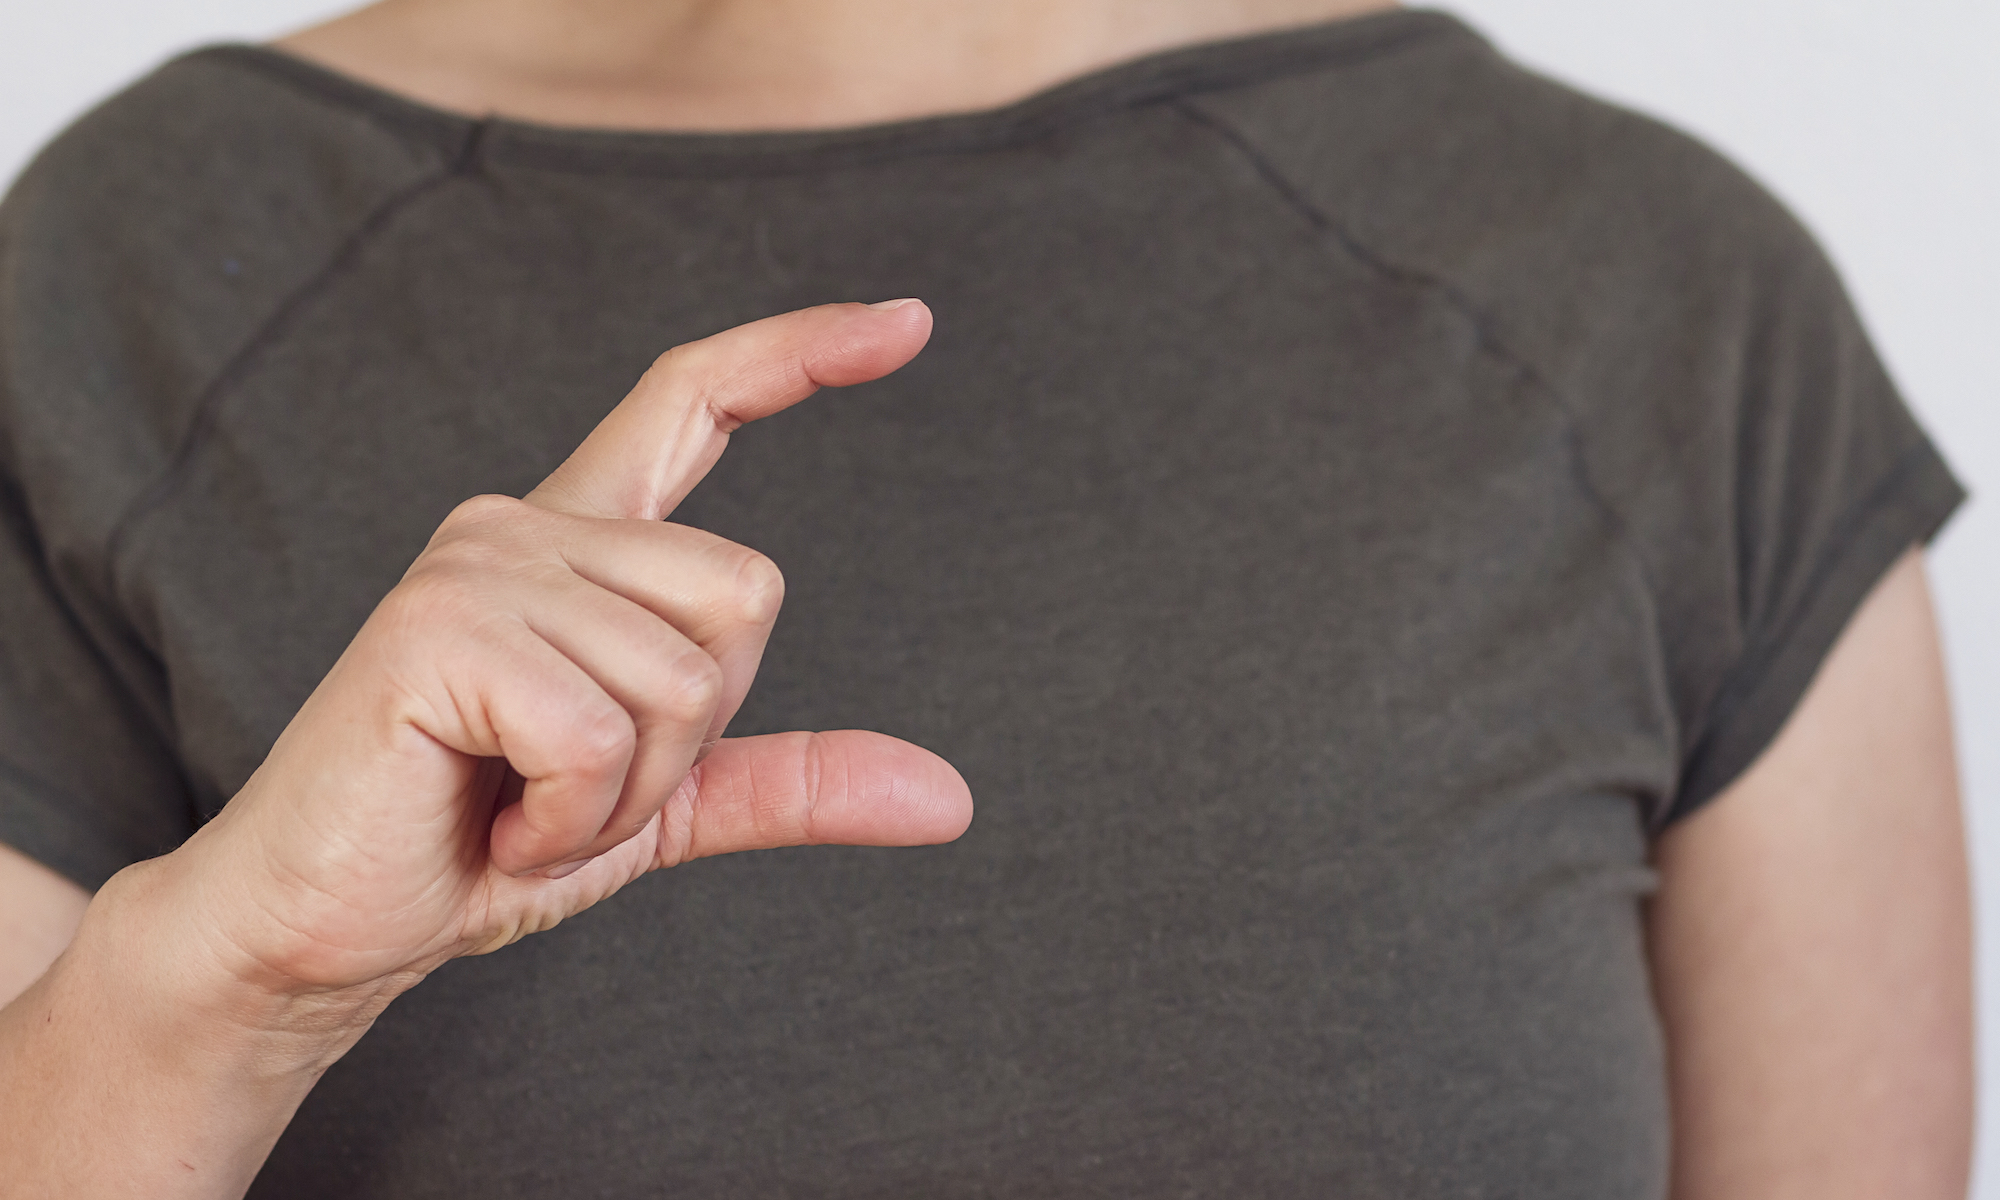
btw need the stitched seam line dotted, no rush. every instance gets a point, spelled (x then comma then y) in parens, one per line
(1031, 122)
(1753, 670)
(156, 722)
(208, 407)
(1153, 79)
(1482, 327)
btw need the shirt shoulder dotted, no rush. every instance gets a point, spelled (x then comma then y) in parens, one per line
(1728, 410)
(153, 243)
(149, 254)
(1547, 209)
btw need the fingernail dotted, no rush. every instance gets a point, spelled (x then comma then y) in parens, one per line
(567, 869)
(893, 305)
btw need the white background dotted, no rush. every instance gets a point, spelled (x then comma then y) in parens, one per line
(1879, 122)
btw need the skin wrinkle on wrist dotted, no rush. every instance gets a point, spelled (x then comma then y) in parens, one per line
(135, 943)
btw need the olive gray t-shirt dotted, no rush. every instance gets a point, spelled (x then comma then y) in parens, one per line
(1358, 492)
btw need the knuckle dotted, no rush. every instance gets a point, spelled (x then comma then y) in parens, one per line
(673, 367)
(483, 510)
(668, 361)
(812, 777)
(684, 358)
(464, 559)
(433, 596)
(692, 690)
(600, 738)
(486, 535)
(688, 373)
(759, 587)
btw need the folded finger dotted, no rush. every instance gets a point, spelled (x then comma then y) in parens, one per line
(503, 691)
(724, 597)
(668, 686)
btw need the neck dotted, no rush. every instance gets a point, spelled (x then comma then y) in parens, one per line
(763, 64)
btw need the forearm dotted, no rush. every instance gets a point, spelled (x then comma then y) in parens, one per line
(137, 1067)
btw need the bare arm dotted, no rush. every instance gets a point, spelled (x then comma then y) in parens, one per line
(529, 721)
(39, 911)
(1811, 940)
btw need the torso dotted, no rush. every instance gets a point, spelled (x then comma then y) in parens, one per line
(1285, 880)
(1314, 670)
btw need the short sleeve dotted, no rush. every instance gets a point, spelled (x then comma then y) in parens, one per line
(141, 252)
(87, 785)
(1831, 480)
(1730, 417)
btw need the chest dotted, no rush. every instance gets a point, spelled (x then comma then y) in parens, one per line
(1231, 487)
(1309, 698)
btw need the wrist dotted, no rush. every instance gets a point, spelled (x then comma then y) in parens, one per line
(161, 943)
(140, 1064)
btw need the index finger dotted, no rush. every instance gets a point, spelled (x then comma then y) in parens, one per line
(650, 451)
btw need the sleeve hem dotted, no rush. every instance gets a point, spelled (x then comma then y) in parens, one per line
(1907, 508)
(39, 822)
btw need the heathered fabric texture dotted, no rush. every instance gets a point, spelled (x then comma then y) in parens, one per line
(1357, 491)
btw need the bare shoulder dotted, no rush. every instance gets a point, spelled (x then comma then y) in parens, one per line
(1812, 938)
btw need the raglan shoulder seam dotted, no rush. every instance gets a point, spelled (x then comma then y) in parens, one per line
(269, 332)
(1477, 318)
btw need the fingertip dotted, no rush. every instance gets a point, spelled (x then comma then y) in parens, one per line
(916, 315)
(922, 320)
(505, 845)
(887, 336)
(950, 798)
(518, 850)
(897, 794)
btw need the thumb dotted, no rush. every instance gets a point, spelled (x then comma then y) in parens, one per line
(847, 788)
(650, 451)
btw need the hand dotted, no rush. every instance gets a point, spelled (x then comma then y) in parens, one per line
(531, 718)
